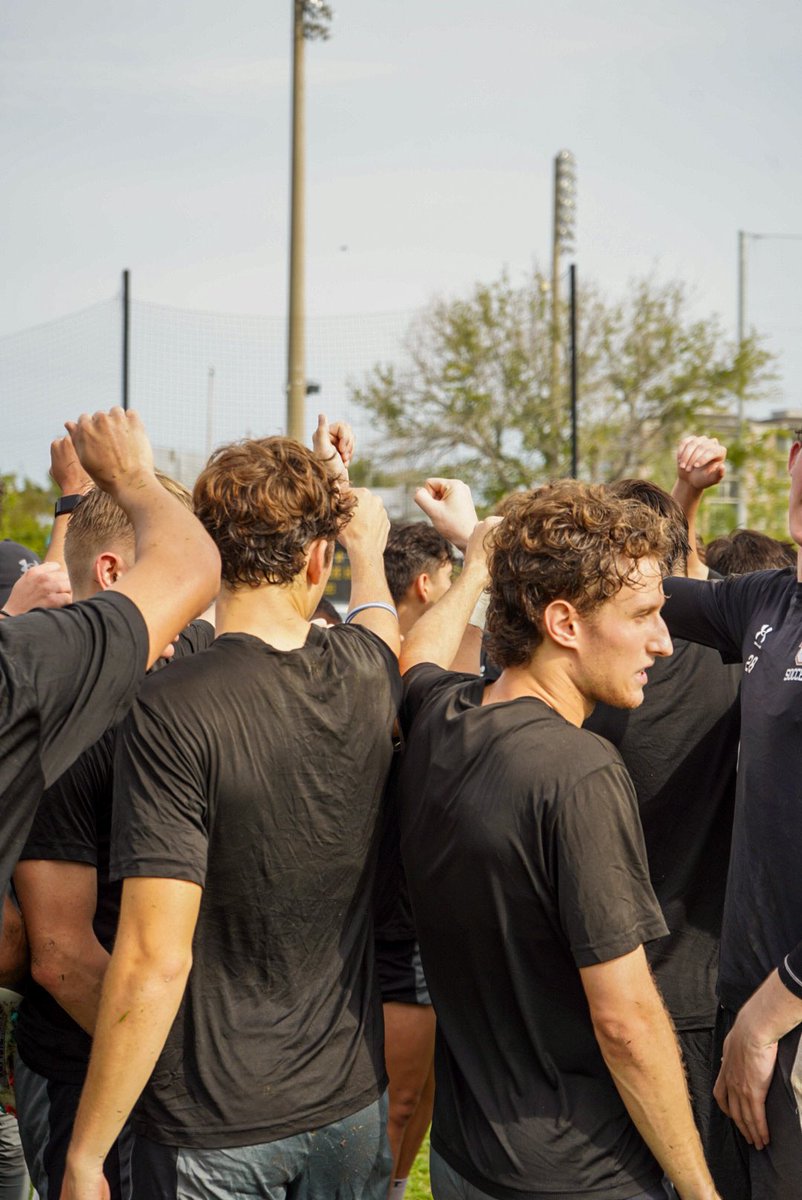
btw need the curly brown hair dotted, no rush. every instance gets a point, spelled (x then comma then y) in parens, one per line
(263, 501)
(568, 541)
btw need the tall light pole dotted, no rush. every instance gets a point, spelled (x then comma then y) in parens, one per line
(310, 22)
(743, 263)
(562, 240)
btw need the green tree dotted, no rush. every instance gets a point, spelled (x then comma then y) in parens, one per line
(473, 396)
(26, 512)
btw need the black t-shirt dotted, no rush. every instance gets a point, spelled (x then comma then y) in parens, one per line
(757, 619)
(73, 824)
(258, 774)
(680, 749)
(525, 861)
(65, 677)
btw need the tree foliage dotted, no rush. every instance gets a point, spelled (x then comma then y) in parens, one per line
(475, 397)
(26, 512)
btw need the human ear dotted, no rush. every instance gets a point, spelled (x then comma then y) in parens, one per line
(561, 623)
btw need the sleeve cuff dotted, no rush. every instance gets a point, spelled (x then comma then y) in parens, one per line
(790, 972)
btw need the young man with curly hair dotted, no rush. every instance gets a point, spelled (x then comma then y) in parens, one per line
(558, 1071)
(247, 788)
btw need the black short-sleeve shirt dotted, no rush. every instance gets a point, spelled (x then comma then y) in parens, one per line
(757, 619)
(525, 861)
(258, 775)
(65, 677)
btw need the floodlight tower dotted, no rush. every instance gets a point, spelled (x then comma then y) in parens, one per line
(563, 235)
(310, 22)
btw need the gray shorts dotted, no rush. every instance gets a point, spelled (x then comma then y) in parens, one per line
(347, 1160)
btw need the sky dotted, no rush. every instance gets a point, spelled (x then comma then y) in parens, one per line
(156, 137)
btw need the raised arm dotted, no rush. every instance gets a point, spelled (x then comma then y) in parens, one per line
(177, 570)
(640, 1049)
(73, 483)
(364, 539)
(700, 465)
(437, 636)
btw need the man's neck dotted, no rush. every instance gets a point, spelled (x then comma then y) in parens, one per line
(545, 678)
(272, 612)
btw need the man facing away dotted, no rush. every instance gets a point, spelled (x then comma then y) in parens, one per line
(67, 675)
(248, 782)
(558, 1072)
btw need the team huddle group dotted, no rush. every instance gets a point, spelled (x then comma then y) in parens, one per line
(524, 839)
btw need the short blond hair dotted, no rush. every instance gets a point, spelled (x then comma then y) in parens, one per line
(98, 524)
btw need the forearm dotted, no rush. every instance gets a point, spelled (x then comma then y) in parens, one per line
(55, 548)
(644, 1060)
(369, 586)
(140, 999)
(689, 499)
(771, 1012)
(74, 978)
(437, 636)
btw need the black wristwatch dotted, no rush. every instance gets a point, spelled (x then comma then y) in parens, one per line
(65, 504)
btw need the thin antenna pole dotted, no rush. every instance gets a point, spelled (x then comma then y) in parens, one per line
(126, 338)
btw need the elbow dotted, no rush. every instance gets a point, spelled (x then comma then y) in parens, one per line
(623, 1039)
(50, 967)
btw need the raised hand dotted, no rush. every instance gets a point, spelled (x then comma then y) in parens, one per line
(334, 446)
(700, 462)
(449, 506)
(66, 470)
(113, 449)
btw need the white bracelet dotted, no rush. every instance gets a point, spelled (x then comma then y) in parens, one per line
(479, 613)
(349, 616)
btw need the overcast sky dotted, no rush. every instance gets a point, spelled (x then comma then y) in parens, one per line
(156, 137)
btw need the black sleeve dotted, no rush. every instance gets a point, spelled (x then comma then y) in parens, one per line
(160, 783)
(80, 667)
(422, 683)
(65, 827)
(606, 902)
(196, 636)
(353, 636)
(717, 612)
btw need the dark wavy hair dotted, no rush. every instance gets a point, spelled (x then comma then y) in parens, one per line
(263, 501)
(662, 502)
(412, 548)
(568, 541)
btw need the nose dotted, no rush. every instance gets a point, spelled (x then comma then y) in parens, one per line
(660, 644)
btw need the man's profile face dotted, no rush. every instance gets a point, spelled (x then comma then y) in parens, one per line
(440, 581)
(622, 638)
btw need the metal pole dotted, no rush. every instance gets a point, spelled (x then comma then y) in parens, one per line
(574, 376)
(741, 506)
(555, 290)
(126, 338)
(296, 372)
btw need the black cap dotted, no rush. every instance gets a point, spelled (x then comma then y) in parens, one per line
(14, 562)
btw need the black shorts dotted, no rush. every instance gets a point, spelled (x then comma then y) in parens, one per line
(401, 977)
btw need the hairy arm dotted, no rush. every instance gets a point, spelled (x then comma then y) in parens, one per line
(640, 1049)
(142, 992)
(58, 901)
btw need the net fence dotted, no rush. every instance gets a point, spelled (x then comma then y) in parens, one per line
(198, 379)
